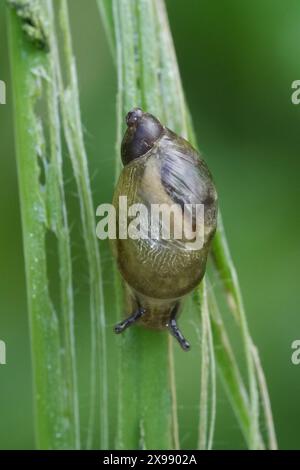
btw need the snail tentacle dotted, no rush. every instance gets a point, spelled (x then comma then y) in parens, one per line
(175, 331)
(120, 327)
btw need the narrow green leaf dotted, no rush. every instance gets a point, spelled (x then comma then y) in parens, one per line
(148, 76)
(43, 210)
(70, 110)
(208, 373)
(143, 386)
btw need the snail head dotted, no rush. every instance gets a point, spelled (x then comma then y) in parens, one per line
(143, 130)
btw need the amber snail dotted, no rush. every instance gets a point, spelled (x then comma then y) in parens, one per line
(161, 167)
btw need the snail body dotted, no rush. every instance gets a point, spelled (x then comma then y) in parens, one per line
(162, 169)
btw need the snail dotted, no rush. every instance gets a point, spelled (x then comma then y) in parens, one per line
(161, 168)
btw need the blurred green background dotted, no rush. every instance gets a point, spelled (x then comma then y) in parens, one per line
(237, 60)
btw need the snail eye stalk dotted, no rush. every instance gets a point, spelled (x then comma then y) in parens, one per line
(175, 331)
(172, 325)
(120, 327)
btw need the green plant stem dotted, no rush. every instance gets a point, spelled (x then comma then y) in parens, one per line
(106, 10)
(229, 370)
(213, 377)
(208, 373)
(175, 427)
(74, 137)
(143, 386)
(272, 441)
(227, 272)
(204, 384)
(143, 45)
(59, 225)
(43, 209)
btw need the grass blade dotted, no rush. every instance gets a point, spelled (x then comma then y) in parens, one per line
(149, 77)
(70, 109)
(141, 381)
(43, 211)
(228, 275)
(37, 77)
(208, 373)
(272, 441)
